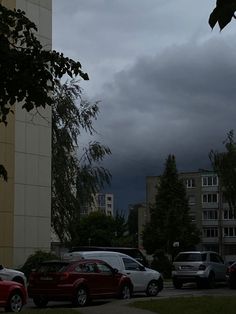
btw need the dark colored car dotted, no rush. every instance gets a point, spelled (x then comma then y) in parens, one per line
(78, 282)
(13, 295)
(231, 275)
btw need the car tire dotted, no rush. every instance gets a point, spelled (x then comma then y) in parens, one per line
(211, 282)
(125, 292)
(81, 297)
(160, 284)
(152, 288)
(232, 285)
(40, 301)
(177, 284)
(15, 303)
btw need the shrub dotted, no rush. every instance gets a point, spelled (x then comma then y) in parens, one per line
(162, 264)
(35, 259)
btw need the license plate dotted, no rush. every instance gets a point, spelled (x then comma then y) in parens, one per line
(46, 278)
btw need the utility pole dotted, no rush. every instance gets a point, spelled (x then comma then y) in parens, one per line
(220, 222)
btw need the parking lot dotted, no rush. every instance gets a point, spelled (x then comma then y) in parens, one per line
(115, 306)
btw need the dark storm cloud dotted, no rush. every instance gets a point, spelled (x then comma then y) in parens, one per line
(165, 81)
(181, 101)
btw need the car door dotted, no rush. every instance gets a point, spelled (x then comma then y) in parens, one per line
(107, 278)
(219, 266)
(137, 274)
(3, 292)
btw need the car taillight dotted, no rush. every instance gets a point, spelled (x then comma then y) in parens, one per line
(64, 276)
(231, 269)
(202, 267)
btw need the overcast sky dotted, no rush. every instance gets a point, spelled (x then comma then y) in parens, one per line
(166, 82)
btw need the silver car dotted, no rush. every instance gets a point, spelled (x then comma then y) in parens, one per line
(12, 275)
(204, 268)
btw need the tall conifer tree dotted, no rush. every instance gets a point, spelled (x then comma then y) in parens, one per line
(170, 221)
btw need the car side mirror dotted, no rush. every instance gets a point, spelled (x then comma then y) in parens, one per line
(115, 270)
(142, 268)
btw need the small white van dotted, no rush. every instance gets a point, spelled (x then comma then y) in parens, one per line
(143, 279)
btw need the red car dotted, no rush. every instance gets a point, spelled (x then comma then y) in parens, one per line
(13, 295)
(77, 281)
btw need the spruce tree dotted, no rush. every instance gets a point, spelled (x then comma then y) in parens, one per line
(170, 221)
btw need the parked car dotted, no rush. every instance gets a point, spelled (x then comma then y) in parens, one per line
(12, 275)
(231, 275)
(143, 279)
(204, 268)
(133, 252)
(77, 281)
(13, 295)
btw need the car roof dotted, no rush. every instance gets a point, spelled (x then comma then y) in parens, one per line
(68, 262)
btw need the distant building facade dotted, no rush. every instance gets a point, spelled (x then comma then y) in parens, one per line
(208, 210)
(103, 202)
(25, 151)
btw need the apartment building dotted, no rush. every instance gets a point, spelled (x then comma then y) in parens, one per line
(104, 202)
(25, 151)
(208, 209)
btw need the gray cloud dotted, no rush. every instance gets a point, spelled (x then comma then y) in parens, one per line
(165, 81)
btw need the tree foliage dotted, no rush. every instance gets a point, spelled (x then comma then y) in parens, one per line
(222, 13)
(76, 172)
(28, 73)
(170, 221)
(224, 164)
(98, 229)
(133, 224)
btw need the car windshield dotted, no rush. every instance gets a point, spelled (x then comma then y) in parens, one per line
(191, 257)
(52, 267)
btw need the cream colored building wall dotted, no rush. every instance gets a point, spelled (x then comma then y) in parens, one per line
(28, 146)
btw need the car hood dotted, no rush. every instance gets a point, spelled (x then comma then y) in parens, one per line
(13, 271)
(152, 271)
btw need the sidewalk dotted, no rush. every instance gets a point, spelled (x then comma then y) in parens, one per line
(118, 306)
(114, 307)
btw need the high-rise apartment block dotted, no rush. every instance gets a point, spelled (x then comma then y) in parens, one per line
(208, 209)
(25, 151)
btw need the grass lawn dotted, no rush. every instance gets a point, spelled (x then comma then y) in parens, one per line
(190, 305)
(49, 311)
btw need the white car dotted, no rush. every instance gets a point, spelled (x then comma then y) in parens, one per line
(12, 275)
(143, 279)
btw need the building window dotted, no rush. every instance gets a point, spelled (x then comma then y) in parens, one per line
(210, 180)
(193, 217)
(229, 214)
(108, 198)
(210, 198)
(210, 215)
(190, 183)
(230, 232)
(191, 200)
(211, 232)
(108, 205)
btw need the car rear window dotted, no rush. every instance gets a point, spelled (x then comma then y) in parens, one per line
(52, 267)
(191, 257)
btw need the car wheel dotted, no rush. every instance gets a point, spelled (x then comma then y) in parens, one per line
(15, 303)
(160, 284)
(125, 292)
(232, 285)
(177, 284)
(40, 301)
(152, 288)
(211, 280)
(81, 297)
